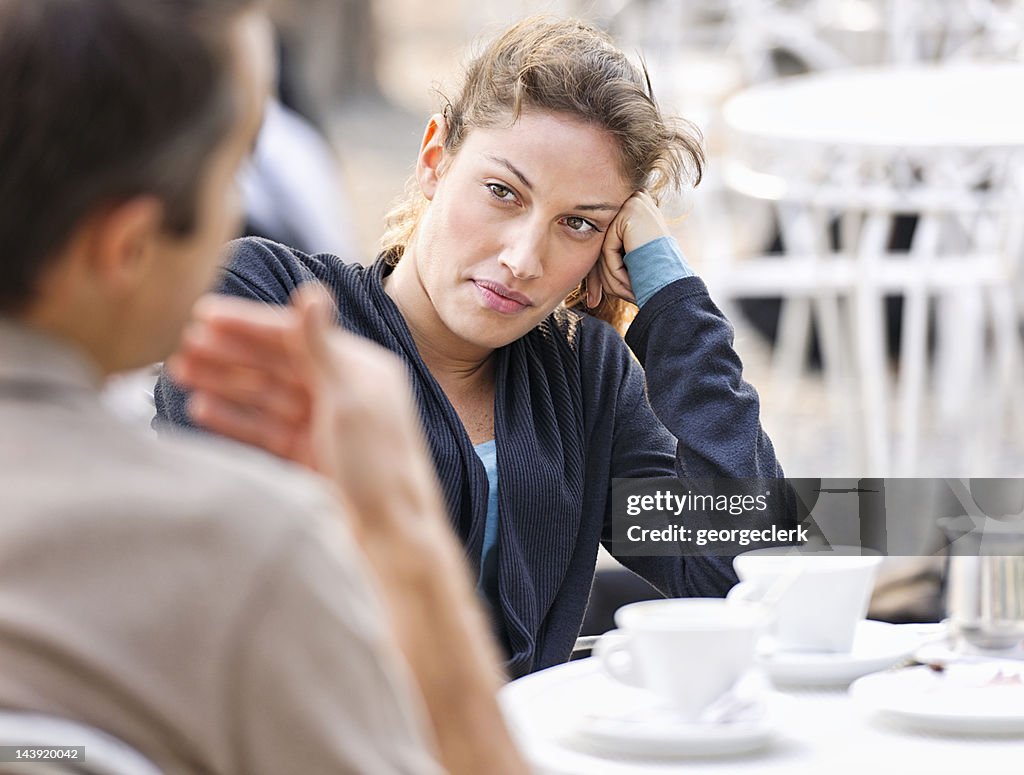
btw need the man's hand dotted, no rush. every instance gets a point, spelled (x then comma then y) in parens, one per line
(238, 359)
(289, 380)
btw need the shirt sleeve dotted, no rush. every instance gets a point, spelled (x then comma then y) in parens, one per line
(695, 382)
(689, 383)
(644, 448)
(654, 265)
(319, 687)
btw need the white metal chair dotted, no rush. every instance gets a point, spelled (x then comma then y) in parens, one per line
(839, 174)
(103, 755)
(943, 30)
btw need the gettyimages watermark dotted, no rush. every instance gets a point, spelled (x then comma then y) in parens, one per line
(907, 517)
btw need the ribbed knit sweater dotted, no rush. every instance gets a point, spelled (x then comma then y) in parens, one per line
(571, 413)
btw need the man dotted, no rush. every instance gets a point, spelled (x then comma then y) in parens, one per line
(213, 608)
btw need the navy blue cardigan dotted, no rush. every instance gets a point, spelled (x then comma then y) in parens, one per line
(571, 413)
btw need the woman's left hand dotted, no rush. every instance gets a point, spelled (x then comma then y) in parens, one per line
(638, 222)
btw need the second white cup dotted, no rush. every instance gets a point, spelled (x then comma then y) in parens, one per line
(818, 597)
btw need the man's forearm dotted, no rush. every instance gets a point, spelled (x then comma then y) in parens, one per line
(450, 649)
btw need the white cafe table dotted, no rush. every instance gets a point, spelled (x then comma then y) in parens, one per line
(843, 157)
(816, 732)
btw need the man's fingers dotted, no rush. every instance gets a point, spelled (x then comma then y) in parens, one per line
(313, 295)
(215, 307)
(243, 423)
(316, 319)
(202, 346)
(256, 388)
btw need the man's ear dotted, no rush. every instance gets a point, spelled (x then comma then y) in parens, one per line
(123, 240)
(428, 163)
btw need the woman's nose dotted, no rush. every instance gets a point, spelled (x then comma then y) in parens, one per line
(523, 254)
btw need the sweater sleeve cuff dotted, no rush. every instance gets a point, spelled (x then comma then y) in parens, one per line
(654, 265)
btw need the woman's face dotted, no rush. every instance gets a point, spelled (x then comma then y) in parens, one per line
(516, 219)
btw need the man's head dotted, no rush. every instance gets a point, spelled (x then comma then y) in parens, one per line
(123, 125)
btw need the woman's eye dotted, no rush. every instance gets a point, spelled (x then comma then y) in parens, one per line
(504, 193)
(581, 225)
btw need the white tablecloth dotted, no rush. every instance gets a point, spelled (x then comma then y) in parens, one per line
(819, 731)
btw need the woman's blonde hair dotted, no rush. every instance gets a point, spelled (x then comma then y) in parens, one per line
(565, 66)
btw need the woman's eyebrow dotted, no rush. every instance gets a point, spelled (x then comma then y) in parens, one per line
(610, 206)
(509, 166)
(599, 206)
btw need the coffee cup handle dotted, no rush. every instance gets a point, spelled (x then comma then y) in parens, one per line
(746, 592)
(612, 650)
(752, 592)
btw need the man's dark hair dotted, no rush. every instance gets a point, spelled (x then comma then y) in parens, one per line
(103, 100)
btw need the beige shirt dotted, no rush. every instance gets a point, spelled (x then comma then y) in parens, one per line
(203, 603)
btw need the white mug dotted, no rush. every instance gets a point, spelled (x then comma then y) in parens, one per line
(818, 597)
(690, 652)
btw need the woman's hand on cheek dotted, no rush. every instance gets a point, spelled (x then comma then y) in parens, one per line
(638, 222)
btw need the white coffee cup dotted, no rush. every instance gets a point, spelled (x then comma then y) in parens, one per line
(690, 652)
(818, 596)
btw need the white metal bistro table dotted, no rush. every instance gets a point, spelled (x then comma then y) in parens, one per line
(843, 156)
(817, 731)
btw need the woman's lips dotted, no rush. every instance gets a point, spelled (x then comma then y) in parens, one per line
(500, 298)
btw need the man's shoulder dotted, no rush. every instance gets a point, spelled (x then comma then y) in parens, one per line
(94, 472)
(184, 511)
(230, 482)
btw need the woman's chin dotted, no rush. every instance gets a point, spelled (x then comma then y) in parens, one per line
(492, 340)
(490, 334)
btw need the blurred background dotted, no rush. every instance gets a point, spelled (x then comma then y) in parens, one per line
(859, 219)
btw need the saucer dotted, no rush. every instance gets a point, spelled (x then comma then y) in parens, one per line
(962, 699)
(654, 730)
(952, 649)
(876, 646)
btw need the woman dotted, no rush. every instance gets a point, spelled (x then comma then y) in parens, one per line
(533, 195)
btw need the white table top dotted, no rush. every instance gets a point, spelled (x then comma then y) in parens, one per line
(819, 731)
(968, 105)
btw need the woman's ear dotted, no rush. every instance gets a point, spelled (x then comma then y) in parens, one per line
(428, 163)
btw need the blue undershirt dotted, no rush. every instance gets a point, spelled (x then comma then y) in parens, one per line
(487, 584)
(651, 267)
